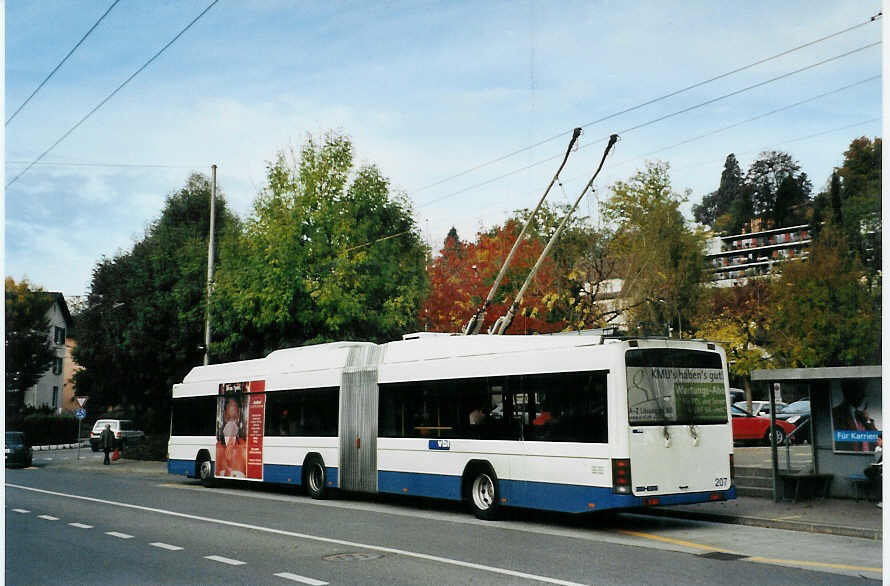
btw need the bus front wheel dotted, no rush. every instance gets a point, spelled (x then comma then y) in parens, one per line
(484, 495)
(315, 477)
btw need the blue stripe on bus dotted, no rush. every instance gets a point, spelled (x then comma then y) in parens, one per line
(282, 473)
(181, 467)
(431, 485)
(567, 498)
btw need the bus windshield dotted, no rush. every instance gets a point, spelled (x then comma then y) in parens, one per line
(667, 386)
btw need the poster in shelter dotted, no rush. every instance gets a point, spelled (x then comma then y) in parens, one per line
(856, 415)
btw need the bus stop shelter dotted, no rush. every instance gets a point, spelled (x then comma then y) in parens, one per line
(845, 421)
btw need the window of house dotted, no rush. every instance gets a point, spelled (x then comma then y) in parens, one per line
(59, 336)
(57, 365)
(55, 397)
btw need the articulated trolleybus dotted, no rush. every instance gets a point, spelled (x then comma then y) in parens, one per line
(563, 423)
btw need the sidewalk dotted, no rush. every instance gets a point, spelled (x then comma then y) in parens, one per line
(833, 516)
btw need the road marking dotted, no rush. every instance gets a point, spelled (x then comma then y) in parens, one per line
(166, 546)
(306, 536)
(118, 535)
(779, 562)
(222, 560)
(81, 525)
(786, 517)
(21, 511)
(48, 517)
(301, 579)
(673, 541)
(757, 559)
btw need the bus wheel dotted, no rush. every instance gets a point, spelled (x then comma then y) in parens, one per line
(483, 497)
(205, 472)
(315, 478)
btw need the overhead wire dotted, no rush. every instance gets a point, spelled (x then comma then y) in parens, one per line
(658, 119)
(62, 62)
(113, 93)
(650, 102)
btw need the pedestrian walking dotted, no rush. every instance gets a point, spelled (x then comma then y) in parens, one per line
(107, 442)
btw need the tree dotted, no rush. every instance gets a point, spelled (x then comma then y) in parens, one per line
(463, 272)
(143, 326)
(860, 204)
(824, 311)
(739, 317)
(719, 204)
(28, 350)
(765, 179)
(659, 258)
(329, 253)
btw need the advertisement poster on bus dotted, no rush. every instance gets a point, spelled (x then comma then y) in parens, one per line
(856, 415)
(240, 416)
(663, 395)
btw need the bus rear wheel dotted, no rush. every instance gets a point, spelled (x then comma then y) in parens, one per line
(315, 478)
(484, 495)
(205, 472)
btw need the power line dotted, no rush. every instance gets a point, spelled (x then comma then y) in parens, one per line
(660, 119)
(650, 102)
(112, 94)
(125, 165)
(56, 68)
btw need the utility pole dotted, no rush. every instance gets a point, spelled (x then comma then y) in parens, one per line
(210, 263)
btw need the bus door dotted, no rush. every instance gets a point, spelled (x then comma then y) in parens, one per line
(359, 396)
(678, 434)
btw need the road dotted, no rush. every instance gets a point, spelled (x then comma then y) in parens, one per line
(72, 523)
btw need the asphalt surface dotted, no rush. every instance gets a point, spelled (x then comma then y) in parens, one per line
(128, 521)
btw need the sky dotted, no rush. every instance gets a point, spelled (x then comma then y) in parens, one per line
(430, 92)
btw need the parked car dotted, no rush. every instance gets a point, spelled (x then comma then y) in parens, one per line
(18, 450)
(747, 427)
(797, 414)
(736, 395)
(124, 430)
(759, 407)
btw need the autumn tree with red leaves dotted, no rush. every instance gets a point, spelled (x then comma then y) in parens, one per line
(462, 274)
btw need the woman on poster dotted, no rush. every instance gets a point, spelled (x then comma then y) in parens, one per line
(231, 441)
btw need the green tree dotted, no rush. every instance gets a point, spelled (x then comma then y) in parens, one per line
(28, 350)
(143, 326)
(777, 188)
(329, 253)
(659, 258)
(718, 205)
(861, 201)
(824, 312)
(739, 317)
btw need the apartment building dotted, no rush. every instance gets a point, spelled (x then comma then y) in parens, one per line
(735, 259)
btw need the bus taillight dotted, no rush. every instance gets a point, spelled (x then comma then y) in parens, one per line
(732, 468)
(621, 476)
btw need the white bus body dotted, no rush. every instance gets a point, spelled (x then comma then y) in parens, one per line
(567, 423)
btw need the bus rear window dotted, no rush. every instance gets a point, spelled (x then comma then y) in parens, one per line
(667, 386)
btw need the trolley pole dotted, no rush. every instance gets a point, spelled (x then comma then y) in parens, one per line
(210, 263)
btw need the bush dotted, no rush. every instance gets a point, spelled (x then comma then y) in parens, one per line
(46, 428)
(152, 447)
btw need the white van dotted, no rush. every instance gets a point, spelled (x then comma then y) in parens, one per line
(124, 432)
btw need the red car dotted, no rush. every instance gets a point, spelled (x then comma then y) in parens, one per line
(747, 427)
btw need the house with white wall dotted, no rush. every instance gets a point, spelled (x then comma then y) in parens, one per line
(48, 390)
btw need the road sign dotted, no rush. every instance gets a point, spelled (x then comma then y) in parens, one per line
(81, 400)
(81, 413)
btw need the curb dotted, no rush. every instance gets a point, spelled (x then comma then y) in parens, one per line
(809, 527)
(85, 444)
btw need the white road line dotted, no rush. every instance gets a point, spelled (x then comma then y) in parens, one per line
(118, 535)
(166, 546)
(222, 560)
(301, 579)
(21, 511)
(306, 536)
(48, 517)
(81, 525)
